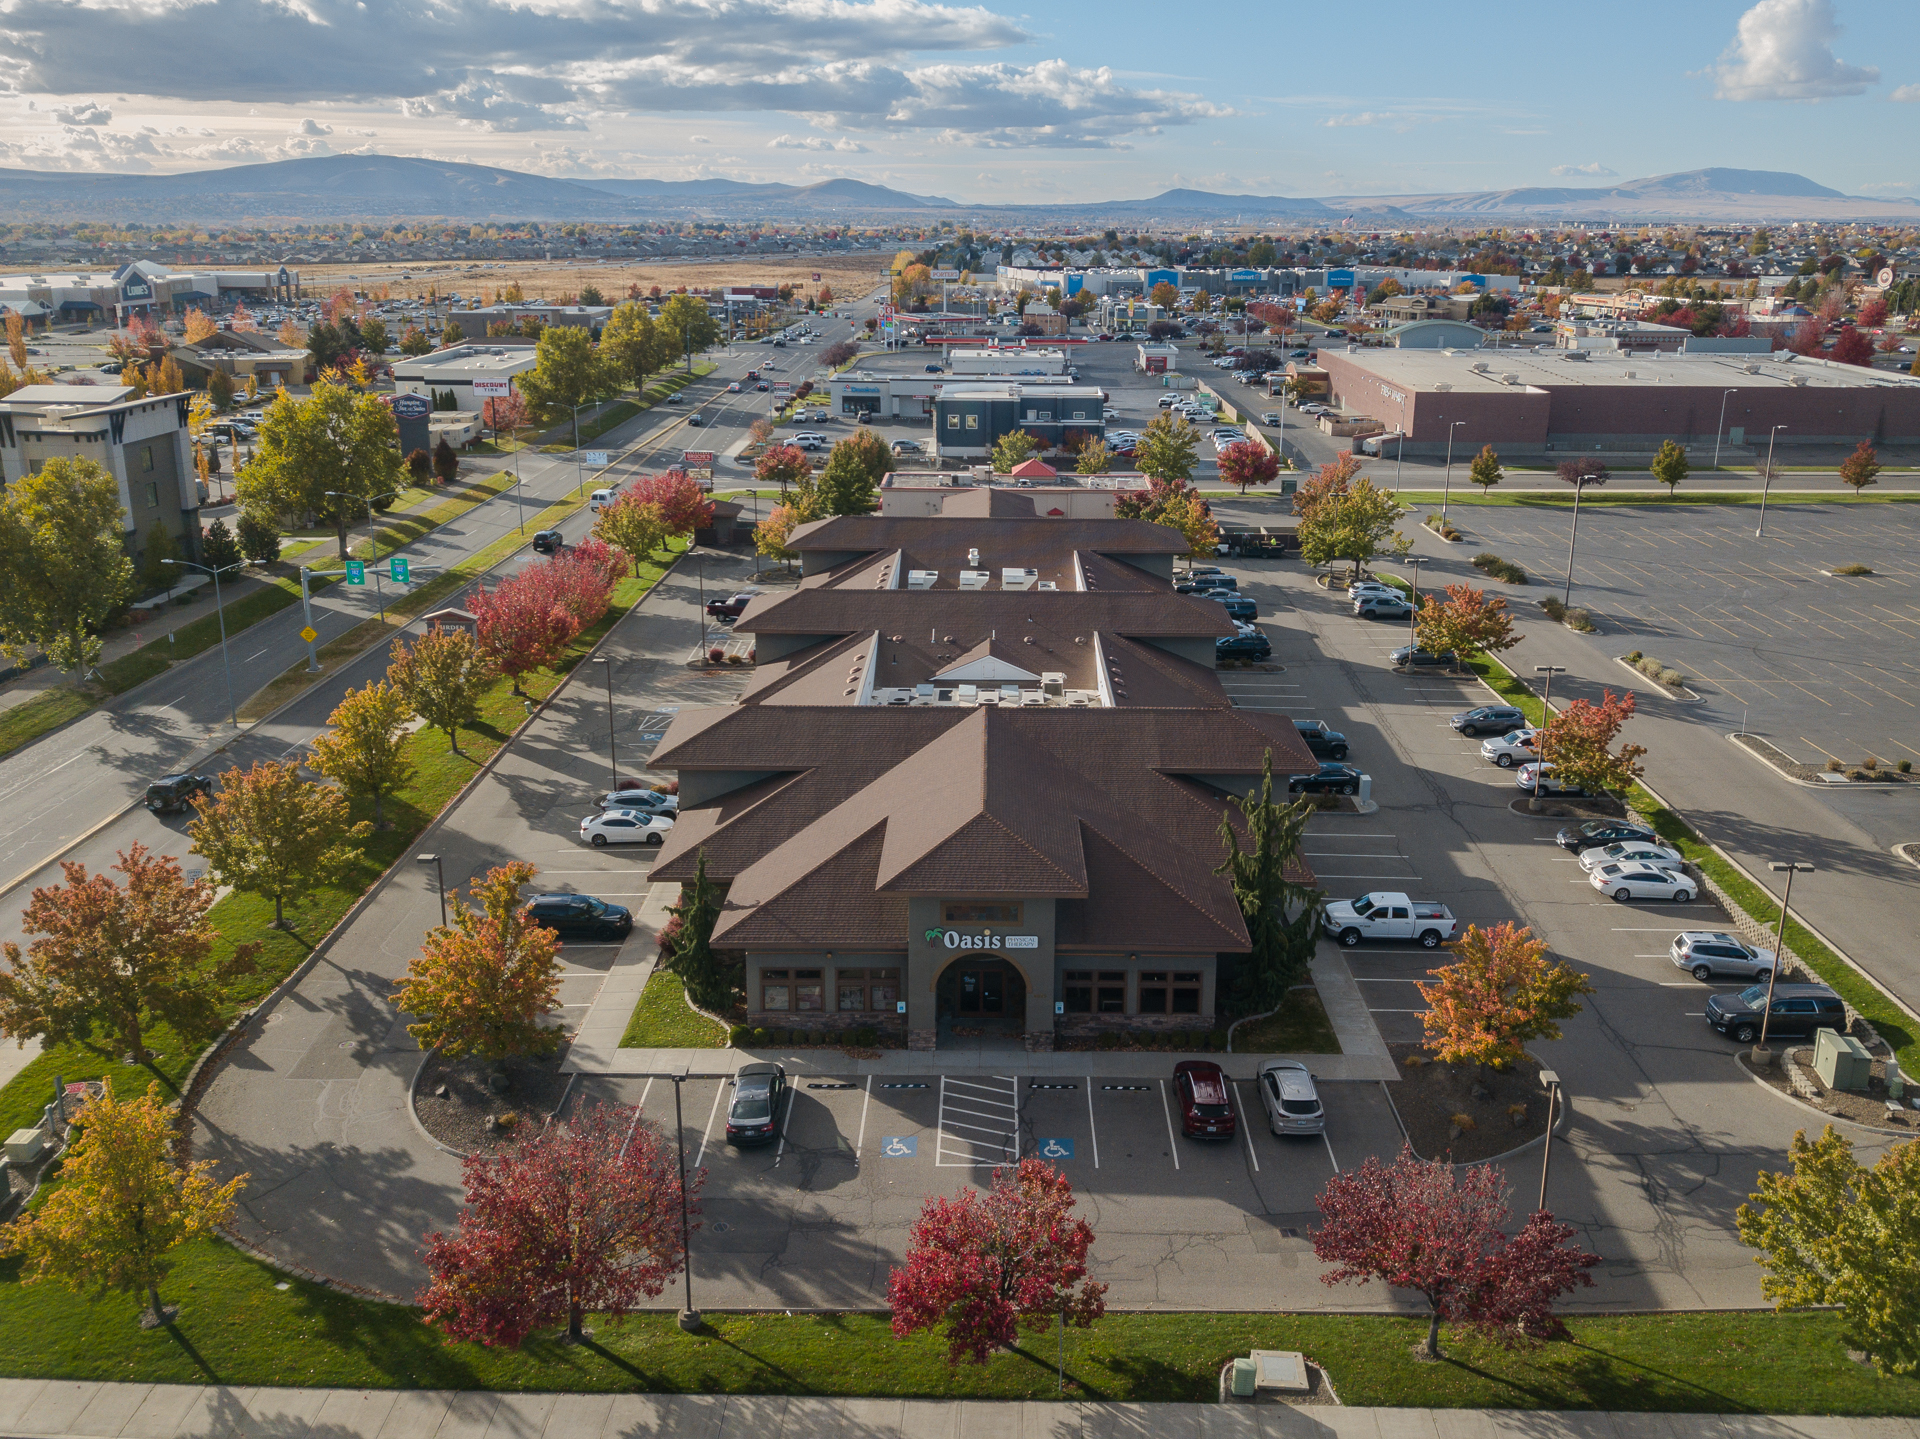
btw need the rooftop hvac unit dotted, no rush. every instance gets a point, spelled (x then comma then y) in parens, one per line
(974, 579)
(1018, 579)
(923, 692)
(1033, 697)
(1630, 374)
(1046, 585)
(1796, 379)
(967, 694)
(1053, 682)
(1509, 379)
(1479, 367)
(921, 579)
(1751, 368)
(1444, 386)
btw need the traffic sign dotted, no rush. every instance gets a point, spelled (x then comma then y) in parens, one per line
(397, 570)
(356, 572)
(596, 458)
(309, 634)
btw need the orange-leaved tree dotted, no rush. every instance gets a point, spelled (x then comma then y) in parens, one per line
(200, 326)
(1499, 994)
(271, 833)
(1468, 621)
(1578, 742)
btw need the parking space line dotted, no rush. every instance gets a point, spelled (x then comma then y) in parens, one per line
(1246, 1128)
(706, 1133)
(780, 1149)
(1330, 1154)
(1369, 876)
(861, 1138)
(1173, 1145)
(638, 1110)
(1093, 1132)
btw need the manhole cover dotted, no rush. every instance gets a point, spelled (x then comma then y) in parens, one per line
(720, 1226)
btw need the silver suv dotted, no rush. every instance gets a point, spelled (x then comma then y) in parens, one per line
(1705, 954)
(1288, 1095)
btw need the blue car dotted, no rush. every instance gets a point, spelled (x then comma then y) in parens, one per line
(1239, 606)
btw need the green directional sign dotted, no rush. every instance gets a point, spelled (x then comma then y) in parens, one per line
(356, 572)
(397, 570)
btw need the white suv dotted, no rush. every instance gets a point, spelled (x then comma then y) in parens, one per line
(809, 440)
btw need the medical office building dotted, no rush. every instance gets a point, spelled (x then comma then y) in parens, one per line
(974, 788)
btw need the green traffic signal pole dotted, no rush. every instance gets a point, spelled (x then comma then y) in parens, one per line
(306, 599)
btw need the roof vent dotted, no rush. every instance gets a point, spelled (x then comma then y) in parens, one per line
(1443, 387)
(1796, 379)
(1017, 579)
(974, 579)
(973, 559)
(1479, 367)
(921, 579)
(1047, 585)
(1630, 374)
(1053, 682)
(1509, 378)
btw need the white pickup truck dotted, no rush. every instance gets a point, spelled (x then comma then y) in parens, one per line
(1387, 915)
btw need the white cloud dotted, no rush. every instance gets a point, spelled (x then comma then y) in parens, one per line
(698, 140)
(84, 148)
(1783, 50)
(84, 113)
(310, 126)
(1366, 117)
(1907, 95)
(845, 144)
(1595, 170)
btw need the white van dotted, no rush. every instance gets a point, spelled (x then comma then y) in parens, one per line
(600, 499)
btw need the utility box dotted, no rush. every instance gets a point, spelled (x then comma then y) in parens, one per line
(24, 1145)
(1841, 1061)
(1246, 1375)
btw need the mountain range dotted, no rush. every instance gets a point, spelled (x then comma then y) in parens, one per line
(390, 186)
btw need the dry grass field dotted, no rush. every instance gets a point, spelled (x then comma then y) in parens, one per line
(849, 275)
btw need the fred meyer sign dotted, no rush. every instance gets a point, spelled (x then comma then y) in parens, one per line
(955, 939)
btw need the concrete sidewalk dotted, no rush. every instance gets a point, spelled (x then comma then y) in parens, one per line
(56, 1409)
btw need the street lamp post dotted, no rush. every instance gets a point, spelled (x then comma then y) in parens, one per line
(1552, 1082)
(1573, 538)
(1762, 1056)
(613, 759)
(1446, 494)
(689, 1317)
(233, 713)
(1546, 713)
(440, 870)
(1721, 428)
(1414, 562)
(1766, 481)
(373, 539)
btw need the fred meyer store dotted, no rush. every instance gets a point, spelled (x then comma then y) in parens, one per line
(973, 792)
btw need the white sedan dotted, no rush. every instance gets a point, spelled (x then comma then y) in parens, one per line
(1641, 881)
(1526, 776)
(624, 826)
(1521, 746)
(1635, 855)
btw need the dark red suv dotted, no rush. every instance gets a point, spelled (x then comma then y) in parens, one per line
(1206, 1103)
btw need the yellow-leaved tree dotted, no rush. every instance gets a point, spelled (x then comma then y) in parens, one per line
(123, 1205)
(1501, 993)
(200, 326)
(366, 748)
(274, 834)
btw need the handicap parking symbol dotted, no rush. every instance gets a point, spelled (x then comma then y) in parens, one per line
(1056, 1149)
(900, 1146)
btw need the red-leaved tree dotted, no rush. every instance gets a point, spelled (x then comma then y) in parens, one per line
(1245, 463)
(1421, 1225)
(524, 623)
(680, 499)
(1873, 313)
(583, 578)
(577, 1218)
(1852, 348)
(505, 413)
(983, 1265)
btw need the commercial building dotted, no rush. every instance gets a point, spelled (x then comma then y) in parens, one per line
(473, 323)
(1435, 335)
(242, 354)
(1406, 309)
(1557, 402)
(142, 443)
(1007, 363)
(142, 287)
(975, 785)
(448, 377)
(969, 416)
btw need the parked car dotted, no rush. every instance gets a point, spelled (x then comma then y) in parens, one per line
(754, 1115)
(1239, 606)
(1206, 1103)
(1596, 832)
(1205, 581)
(1489, 719)
(1412, 657)
(625, 826)
(173, 793)
(1538, 775)
(1292, 1102)
(732, 606)
(1631, 852)
(1798, 1010)
(580, 916)
(808, 440)
(1330, 778)
(1389, 914)
(647, 801)
(935, 370)
(1625, 881)
(549, 542)
(1382, 607)
(1322, 743)
(1706, 953)
(1255, 646)
(906, 447)
(1508, 750)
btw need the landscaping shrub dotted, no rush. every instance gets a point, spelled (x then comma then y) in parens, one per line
(1658, 670)
(1858, 774)
(1578, 619)
(1108, 1039)
(1871, 762)
(1633, 657)
(1834, 766)
(715, 655)
(1554, 608)
(1505, 570)
(739, 1036)
(761, 1036)
(1906, 766)
(1855, 569)
(1217, 1039)
(865, 1036)
(1672, 679)
(1440, 527)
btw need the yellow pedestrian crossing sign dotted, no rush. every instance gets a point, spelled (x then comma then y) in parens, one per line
(309, 634)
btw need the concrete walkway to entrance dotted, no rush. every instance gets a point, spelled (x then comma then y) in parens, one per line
(57, 1409)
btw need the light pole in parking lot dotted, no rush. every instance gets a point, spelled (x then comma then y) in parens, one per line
(689, 1316)
(1546, 713)
(1762, 1056)
(1552, 1082)
(1446, 495)
(1766, 481)
(440, 870)
(1414, 562)
(1721, 428)
(613, 759)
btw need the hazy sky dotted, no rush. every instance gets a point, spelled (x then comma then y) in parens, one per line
(1071, 100)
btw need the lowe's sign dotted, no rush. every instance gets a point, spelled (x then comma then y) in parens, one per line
(954, 939)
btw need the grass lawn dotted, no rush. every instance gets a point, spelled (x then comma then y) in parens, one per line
(1842, 495)
(1299, 1027)
(236, 1328)
(241, 917)
(664, 1020)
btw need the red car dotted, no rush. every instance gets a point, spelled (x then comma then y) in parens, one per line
(1206, 1103)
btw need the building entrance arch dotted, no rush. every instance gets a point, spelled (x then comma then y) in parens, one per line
(981, 995)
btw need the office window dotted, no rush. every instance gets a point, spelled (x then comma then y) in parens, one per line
(1112, 991)
(953, 422)
(852, 996)
(1076, 989)
(775, 993)
(973, 422)
(1186, 993)
(809, 994)
(884, 991)
(1153, 991)
(975, 911)
(146, 457)
(153, 494)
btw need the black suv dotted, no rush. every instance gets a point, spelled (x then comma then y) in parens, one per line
(1322, 742)
(1489, 719)
(1798, 1010)
(1328, 779)
(175, 792)
(580, 916)
(549, 542)
(1594, 832)
(1243, 647)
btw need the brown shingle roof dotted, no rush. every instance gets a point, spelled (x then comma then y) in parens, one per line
(971, 616)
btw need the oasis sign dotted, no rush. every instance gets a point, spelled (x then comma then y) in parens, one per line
(954, 939)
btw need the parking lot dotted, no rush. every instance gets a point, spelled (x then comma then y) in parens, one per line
(1823, 666)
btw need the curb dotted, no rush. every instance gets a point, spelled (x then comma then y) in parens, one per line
(1683, 695)
(413, 1093)
(1889, 784)
(1560, 1127)
(1799, 1103)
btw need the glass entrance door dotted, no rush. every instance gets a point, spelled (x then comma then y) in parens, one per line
(983, 991)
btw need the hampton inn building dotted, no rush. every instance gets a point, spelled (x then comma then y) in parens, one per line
(977, 781)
